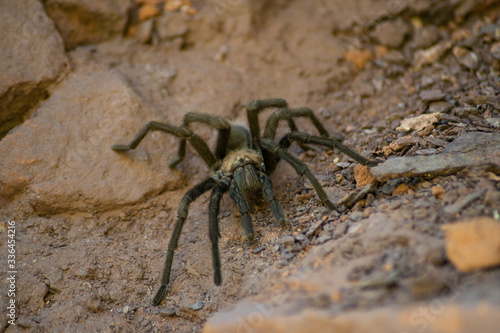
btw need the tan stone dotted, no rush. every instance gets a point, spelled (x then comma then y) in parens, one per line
(473, 244)
(363, 176)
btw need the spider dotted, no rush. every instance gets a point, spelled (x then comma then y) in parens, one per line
(242, 162)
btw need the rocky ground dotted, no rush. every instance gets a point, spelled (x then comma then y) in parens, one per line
(411, 84)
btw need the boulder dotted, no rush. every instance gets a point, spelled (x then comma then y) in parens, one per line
(61, 159)
(87, 22)
(32, 57)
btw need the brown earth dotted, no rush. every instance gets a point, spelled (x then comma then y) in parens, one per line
(92, 225)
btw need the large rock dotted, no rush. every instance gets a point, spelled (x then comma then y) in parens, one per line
(32, 57)
(86, 22)
(61, 159)
(439, 315)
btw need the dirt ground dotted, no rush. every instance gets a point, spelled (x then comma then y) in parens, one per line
(363, 67)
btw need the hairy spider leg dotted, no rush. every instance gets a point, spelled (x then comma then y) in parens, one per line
(300, 167)
(244, 208)
(268, 192)
(286, 141)
(222, 126)
(213, 227)
(181, 132)
(182, 214)
(288, 114)
(253, 110)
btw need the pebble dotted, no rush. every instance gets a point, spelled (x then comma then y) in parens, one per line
(436, 142)
(431, 95)
(391, 33)
(440, 106)
(340, 231)
(438, 191)
(259, 249)
(359, 58)
(288, 255)
(323, 238)
(427, 151)
(418, 123)
(287, 240)
(466, 57)
(356, 216)
(166, 312)
(363, 176)
(301, 238)
(343, 165)
(426, 37)
(197, 306)
(495, 50)
(430, 55)
(461, 204)
(401, 189)
(426, 286)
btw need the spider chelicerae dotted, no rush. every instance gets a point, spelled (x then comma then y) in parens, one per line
(242, 162)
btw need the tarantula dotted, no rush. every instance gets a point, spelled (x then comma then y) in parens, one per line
(242, 162)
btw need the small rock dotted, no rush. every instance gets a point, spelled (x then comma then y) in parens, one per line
(359, 58)
(418, 123)
(143, 31)
(401, 189)
(147, 11)
(436, 142)
(466, 57)
(259, 249)
(170, 26)
(323, 238)
(437, 191)
(221, 55)
(287, 240)
(356, 216)
(495, 50)
(343, 165)
(355, 228)
(426, 285)
(166, 312)
(431, 95)
(426, 37)
(461, 204)
(339, 230)
(440, 106)
(301, 238)
(352, 198)
(288, 255)
(431, 55)
(363, 176)
(304, 197)
(492, 29)
(197, 306)
(427, 151)
(391, 34)
(364, 89)
(126, 309)
(473, 244)
(426, 81)
(395, 57)
(494, 121)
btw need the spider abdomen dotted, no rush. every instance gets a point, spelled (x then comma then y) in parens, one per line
(243, 164)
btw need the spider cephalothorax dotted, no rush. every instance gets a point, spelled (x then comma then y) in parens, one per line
(242, 162)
